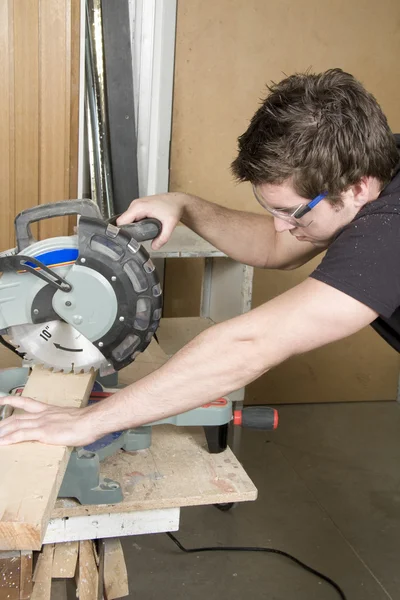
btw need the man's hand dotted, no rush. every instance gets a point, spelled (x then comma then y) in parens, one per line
(41, 422)
(167, 208)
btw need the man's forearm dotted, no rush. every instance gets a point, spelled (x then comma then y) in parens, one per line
(215, 363)
(246, 237)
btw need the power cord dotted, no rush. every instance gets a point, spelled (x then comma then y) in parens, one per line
(260, 549)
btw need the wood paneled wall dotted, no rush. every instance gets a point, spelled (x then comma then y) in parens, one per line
(226, 52)
(39, 98)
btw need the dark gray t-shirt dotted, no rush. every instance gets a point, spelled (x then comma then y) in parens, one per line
(364, 261)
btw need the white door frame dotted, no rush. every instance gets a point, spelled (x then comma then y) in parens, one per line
(153, 27)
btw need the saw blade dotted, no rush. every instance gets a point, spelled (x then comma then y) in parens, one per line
(58, 346)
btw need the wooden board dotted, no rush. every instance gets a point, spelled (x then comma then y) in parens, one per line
(110, 525)
(54, 118)
(65, 559)
(26, 105)
(8, 358)
(115, 573)
(39, 99)
(88, 574)
(176, 471)
(42, 575)
(31, 473)
(6, 124)
(74, 98)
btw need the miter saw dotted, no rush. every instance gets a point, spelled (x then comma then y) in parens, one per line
(91, 300)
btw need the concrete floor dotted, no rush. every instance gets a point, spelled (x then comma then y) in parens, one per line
(329, 493)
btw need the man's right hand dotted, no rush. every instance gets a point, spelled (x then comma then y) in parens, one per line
(167, 208)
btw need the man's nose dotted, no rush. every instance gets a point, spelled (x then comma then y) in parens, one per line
(282, 225)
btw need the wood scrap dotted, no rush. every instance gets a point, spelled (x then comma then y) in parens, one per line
(65, 560)
(87, 572)
(10, 564)
(115, 573)
(31, 473)
(42, 575)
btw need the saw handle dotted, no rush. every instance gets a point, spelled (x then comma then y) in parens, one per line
(263, 418)
(143, 230)
(23, 221)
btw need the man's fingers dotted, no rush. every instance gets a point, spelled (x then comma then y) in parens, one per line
(28, 404)
(20, 417)
(135, 212)
(21, 435)
(168, 227)
(14, 425)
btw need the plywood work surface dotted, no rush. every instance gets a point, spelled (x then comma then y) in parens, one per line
(31, 473)
(176, 471)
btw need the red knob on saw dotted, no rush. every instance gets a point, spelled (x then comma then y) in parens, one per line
(263, 418)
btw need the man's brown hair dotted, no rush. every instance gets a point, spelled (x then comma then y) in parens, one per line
(323, 130)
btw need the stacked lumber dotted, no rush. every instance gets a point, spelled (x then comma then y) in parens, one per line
(98, 570)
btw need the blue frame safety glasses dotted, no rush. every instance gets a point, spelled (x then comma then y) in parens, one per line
(295, 215)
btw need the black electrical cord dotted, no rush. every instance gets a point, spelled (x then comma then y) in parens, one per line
(260, 549)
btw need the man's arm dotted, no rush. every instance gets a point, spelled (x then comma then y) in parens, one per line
(220, 360)
(246, 237)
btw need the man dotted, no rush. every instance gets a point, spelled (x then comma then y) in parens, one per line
(324, 164)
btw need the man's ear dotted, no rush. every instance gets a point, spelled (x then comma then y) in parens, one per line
(361, 191)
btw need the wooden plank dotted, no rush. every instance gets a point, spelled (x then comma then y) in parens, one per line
(31, 473)
(26, 575)
(176, 471)
(115, 573)
(74, 98)
(6, 125)
(9, 575)
(8, 359)
(65, 560)
(42, 576)
(94, 527)
(26, 104)
(88, 574)
(54, 98)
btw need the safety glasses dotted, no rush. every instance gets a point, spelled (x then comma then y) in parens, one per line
(295, 215)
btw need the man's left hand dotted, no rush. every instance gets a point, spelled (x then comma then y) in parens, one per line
(48, 424)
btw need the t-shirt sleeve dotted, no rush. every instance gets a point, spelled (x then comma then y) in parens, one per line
(364, 262)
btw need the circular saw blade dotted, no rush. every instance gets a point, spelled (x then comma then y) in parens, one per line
(56, 345)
